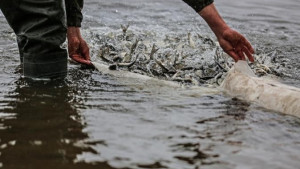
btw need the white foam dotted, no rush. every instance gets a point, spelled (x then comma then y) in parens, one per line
(151, 83)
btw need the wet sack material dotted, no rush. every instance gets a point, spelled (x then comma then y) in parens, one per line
(242, 83)
(41, 27)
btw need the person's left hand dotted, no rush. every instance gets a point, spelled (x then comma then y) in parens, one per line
(77, 47)
(236, 45)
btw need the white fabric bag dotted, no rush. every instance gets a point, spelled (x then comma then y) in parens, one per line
(242, 83)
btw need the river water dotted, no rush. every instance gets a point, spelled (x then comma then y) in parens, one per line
(93, 120)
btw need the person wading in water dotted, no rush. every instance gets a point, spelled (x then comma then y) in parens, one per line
(42, 26)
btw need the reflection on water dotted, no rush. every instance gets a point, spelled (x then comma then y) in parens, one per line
(39, 127)
(92, 120)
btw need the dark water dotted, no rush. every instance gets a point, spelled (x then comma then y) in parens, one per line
(93, 120)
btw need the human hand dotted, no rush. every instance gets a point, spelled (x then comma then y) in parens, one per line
(236, 45)
(77, 47)
(232, 42)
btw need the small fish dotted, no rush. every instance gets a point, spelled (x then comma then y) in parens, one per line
(151, 56)
(175, 75)
(265, 68)
(148, 66)
(217, 77)
(102, 53)
(117, 58)
(126, 58)
(153, 51)
(191, 41)
(128, 64)
(260, 71)
(124, 28)
(179, 58)
(174, 59)
(160, 64)
(133, 47)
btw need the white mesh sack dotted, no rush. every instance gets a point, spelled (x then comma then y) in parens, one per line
(242, 83)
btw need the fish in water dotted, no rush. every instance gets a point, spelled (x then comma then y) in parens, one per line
(185, 59)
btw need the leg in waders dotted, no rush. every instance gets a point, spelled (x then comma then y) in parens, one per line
(40, 26)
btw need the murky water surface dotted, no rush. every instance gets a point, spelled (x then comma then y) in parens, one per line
(92, 120)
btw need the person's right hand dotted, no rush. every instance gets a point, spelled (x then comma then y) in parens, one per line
(236, 45)
(232, 42)
(77, 47)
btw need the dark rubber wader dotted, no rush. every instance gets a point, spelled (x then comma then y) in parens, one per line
(40, 26)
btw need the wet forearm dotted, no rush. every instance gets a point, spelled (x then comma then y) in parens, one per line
(214, 20)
